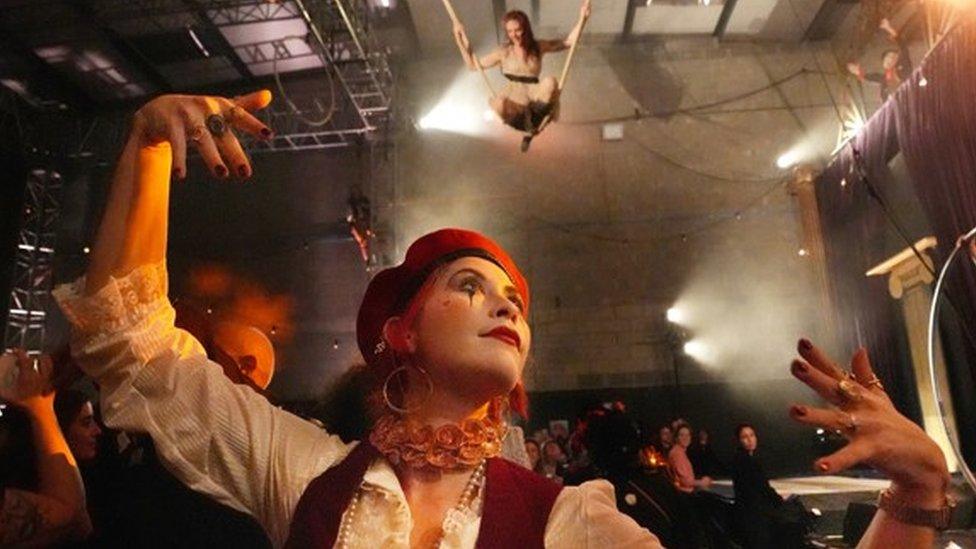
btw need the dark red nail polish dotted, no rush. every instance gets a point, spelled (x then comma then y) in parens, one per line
(798, 411)
(823, 466)
(805, 344)
(242, 170)
(221, 170)
(799, 367)
(266, 133)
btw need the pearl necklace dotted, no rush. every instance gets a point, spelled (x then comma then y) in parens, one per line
(452, 521)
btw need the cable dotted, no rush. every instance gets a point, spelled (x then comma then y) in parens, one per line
(639, 115)
(682, 235)
(696, 171)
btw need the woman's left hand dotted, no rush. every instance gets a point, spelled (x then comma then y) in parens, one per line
(877, 434)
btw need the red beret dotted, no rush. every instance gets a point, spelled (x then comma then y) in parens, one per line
(390, 291)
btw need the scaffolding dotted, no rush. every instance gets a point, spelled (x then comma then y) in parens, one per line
(30, 295)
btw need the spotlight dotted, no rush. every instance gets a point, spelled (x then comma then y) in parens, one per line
(922, 82)
(843, 182)
(675, 315)
(787, 159)
(335, 343)
(696, 349)
(802, 252)
(86, 250)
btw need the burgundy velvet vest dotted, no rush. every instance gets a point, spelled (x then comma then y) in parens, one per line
(515, 512)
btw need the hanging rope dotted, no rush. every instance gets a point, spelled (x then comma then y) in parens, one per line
(477, 63)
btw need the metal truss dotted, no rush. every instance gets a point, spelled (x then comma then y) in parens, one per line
(340, 27)
(30, 296)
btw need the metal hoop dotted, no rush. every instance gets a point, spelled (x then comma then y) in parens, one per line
(386, 390)
(967, 473)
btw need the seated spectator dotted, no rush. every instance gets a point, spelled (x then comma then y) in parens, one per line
(646, 494)
(665, 439)
(761, 516)
(76, 418)
(553, 461)
(684, 472)
(535, 455)
(55, 513)
(703, 458)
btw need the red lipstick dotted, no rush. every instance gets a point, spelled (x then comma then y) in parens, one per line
(507, 335)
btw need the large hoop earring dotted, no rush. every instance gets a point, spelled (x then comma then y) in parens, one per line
(386, 390)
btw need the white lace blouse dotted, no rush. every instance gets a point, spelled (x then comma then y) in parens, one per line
(226, 441)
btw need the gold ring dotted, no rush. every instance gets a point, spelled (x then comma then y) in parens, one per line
(848, 390)
(875, 382)
(196, 134)
(234, 113)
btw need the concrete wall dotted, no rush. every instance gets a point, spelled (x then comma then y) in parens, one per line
(613, 233)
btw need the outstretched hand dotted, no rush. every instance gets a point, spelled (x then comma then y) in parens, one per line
(27, 382)
(877, 434)
(206, 122)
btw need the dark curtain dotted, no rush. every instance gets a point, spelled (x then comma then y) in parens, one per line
(934, 129)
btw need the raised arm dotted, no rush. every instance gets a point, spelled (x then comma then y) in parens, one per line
(56, 512)
(220, 439)
(548, 46)
(881, 437)
(470, 60)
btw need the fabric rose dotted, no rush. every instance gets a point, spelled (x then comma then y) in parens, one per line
(448, 436)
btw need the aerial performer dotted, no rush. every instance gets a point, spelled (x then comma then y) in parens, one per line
(527, 102)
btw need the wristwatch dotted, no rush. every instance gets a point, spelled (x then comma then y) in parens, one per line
(931, 518)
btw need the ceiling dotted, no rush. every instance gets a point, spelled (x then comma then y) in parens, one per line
(95, 53)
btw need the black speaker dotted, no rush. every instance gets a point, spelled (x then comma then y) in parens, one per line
(856, 521)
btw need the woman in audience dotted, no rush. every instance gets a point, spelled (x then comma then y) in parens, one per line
(684, 472)
(757, 505)
(56, 511)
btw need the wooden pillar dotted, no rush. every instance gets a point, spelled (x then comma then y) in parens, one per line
(911, 283)
(801, 187)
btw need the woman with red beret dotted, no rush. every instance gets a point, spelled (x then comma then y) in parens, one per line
(445, 337)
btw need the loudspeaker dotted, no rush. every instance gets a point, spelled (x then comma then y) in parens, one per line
(856, 521)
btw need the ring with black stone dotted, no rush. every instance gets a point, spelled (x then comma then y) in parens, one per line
(216, 125)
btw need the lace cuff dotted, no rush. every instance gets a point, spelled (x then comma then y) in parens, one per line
(120, 304)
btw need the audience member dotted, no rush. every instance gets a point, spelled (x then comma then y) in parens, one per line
(535, 455)
(703, 458)
(684, 472)
(55, 512)
(553, 461)
(762, 518)
(895, 62)
(665, 439)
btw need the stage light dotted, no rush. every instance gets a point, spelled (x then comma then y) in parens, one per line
(675, 315)
(86, 250)
(335, 343)
(802, 252)
(787, 159)
(922, 82)
(843, 182)
(820, 431)
(450, 118)
(696, 349)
